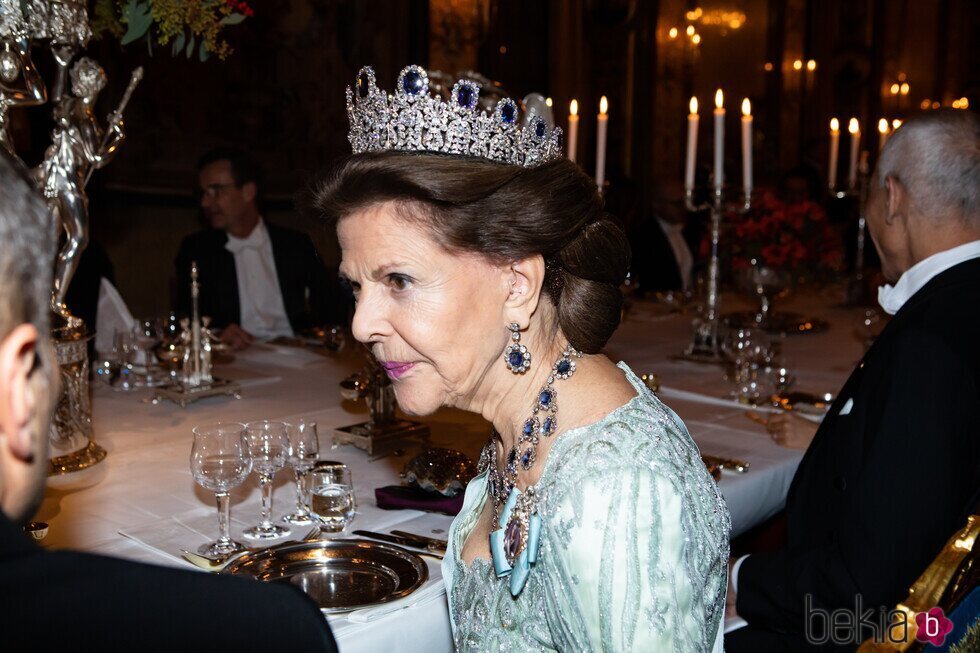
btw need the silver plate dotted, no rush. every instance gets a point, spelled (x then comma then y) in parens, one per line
(339, 575)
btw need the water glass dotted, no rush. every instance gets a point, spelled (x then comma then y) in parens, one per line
(333, 496)
(304, 448)
(268, 446)
(220, 462)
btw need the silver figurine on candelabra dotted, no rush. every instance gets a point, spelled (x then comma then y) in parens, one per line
(383, 430)
(707, 336)
(195, 379)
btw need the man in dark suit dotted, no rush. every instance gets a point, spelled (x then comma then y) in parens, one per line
(894, 468)
(258, 280)
(58, 600)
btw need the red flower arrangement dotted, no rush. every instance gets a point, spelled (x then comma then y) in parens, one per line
(797, 238)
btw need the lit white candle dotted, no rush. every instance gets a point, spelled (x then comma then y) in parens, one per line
(834, 150)
(572, 130)
(719, 140)
(692, 144)
(747, 147)
(882, 133)
(600, 150)
(855, 130)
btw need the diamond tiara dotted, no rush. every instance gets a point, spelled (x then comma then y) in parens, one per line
(414, 120)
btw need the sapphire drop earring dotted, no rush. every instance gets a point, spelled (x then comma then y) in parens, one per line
(517, 357)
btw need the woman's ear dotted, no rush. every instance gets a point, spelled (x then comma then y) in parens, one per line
(526, 278)
(18, 401)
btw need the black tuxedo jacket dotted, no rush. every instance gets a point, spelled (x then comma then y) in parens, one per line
(308, 295)
(61, 601)
(887, 481)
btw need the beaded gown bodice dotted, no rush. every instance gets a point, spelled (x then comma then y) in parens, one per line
(633, 552)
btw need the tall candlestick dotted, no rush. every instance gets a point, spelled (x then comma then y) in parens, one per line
(719, 140)
(834, 149)
(572, 130)
(882, 133)
(852, 173)
(747, 147)
(692, 144)
(600, 150)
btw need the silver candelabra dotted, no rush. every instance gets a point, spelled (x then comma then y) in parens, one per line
(705, 346)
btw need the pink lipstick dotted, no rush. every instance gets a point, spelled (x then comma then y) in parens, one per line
(396, 369)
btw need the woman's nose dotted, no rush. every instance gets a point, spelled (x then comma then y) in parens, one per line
(370, 322)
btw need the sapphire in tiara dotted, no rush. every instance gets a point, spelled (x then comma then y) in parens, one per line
(508, 112)
(540, 128)
(362, 84)
(466, 94)
(413, 83)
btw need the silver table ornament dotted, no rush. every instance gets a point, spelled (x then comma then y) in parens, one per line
(384, 430)
(196, 380)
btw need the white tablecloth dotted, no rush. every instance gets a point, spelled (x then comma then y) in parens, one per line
(145, 480)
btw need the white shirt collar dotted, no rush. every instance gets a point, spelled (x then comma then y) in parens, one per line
(892, 298)
(254, 240)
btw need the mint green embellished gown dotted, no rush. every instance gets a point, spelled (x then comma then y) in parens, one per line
(634, 546)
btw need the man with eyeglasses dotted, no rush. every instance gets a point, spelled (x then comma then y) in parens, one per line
(258, 281)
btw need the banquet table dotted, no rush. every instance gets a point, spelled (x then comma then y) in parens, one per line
(142, 503)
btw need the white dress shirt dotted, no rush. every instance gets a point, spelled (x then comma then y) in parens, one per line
(682, 253)
(263, 313)
(894, 297)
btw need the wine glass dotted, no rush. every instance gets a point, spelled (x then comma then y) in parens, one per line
(220, 462)
(333, 496)
(268, 445)
(304, 447)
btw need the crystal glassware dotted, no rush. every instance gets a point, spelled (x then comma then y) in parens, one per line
(268, 446)
(304, 448)
(333, 496)
(220, 462)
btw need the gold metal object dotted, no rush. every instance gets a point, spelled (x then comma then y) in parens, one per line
(339, 575)
(952, 574)
(76, 461)
(731, 464)
(651, 381)
(803, 402)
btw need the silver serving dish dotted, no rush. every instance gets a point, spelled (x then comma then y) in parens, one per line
(339, 575)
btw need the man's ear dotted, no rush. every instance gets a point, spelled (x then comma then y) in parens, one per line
(18, 402)
(250, 191)
(896, 200)
(526, 278)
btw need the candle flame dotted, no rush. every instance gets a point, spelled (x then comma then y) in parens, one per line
(904, 88)
(834, 125)
(896, 123)
(696, 39)
(883, 126)
(852, 126)
(719, 99)
(548, 102)
(811, 65)
(603, 105)
(694, 106)
(746, 107)
(690, 30)
(672, 33)
(798, 64)
(573, 107)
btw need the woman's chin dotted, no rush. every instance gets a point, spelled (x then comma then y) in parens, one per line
(415, 404)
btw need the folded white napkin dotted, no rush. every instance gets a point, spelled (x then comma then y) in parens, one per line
(113, 317)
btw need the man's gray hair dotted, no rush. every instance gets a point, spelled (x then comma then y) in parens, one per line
(26, 251)
(936, 157)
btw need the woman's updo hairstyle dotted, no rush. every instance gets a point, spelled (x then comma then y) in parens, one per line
(506, 213)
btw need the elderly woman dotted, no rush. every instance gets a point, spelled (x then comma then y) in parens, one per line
(487, 278)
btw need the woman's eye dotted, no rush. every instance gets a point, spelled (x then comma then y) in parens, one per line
(399, 281)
